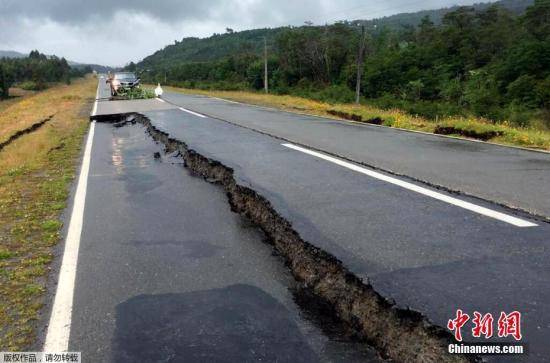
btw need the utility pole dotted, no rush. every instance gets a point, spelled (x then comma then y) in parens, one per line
(266, 88)
(360, 57)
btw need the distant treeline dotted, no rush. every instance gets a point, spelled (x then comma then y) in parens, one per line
(490, 63)
(35, 72)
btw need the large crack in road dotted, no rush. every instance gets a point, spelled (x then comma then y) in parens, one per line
(398, 334)
(370, 252)
(167, 272)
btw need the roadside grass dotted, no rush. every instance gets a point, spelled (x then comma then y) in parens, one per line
(472, 127)
(16, 95)
(31, 109)
(36, 171)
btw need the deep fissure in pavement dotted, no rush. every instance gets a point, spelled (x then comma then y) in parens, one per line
(398, 334)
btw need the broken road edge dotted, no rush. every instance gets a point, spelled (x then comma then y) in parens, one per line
(397, 333)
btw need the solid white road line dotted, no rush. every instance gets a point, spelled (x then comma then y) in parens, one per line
(226, 100)
(59, 329)
(191, 112)
(94, 111)
(161, 100)
(415, 188)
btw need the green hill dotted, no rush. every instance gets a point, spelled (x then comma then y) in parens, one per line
(218, 46)
(215, 47)
(398, 21)
(488, 60)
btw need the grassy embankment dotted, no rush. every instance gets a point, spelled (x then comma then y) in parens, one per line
(472, 127)
(36, 171)
(16, 95)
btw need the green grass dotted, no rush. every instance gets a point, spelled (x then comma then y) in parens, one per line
(5, 254)
(36, 172)
(136, 93)
(51, 226)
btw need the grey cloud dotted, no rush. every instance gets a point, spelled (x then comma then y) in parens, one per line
(82, 30)
(75, 11)
(256, 12)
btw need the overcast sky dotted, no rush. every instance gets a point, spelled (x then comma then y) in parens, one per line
(113, 32)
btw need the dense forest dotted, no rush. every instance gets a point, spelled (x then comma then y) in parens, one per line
(488, 61)
(35, 72)
(397, 21)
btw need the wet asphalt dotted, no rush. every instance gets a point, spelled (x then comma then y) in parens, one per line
(107, 107)
(422, 253)
(164, 262)
(513, 177)
(166, 272)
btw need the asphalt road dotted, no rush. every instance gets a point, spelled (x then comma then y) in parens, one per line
(165, 268)
(103, 90)
(167, 272)
(423, 253)
(513, 177)
(104, 108)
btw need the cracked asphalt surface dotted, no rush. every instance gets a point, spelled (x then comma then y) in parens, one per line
(424, 254)
(167, 272)
(513, 177)
(160, 248)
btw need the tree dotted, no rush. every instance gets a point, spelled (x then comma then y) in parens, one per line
(537, 19)
(4, 87)
(483, 60)
(426, 31)
(521, 91)
(131, 67)
(37, 68)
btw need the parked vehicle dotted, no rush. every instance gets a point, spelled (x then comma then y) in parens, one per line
(121, 81)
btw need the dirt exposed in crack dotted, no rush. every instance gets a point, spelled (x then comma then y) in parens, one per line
(355, 117)
(530, 213)
(398, 334)
(483, 136)
(35, 126)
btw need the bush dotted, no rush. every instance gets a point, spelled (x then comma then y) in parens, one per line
(330, 94)
(33, 86)
(523, 91)
(337, 94)
(543, 92)
(519, 114)
(428, 109)
(482, 95)
(136, 93)
(451, 90)
(212, 85)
